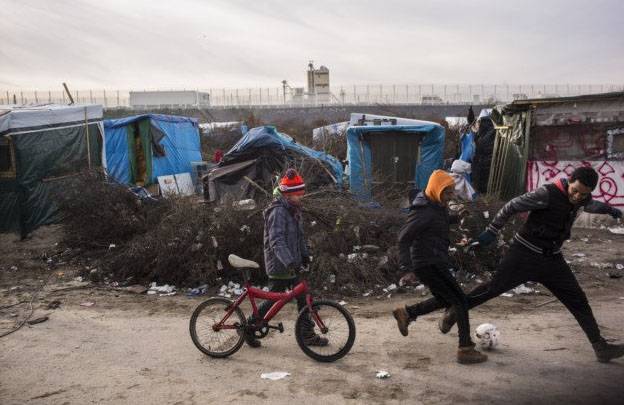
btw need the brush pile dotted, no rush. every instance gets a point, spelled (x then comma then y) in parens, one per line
(186, 242)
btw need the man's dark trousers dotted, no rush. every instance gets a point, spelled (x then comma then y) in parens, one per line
(521, 265)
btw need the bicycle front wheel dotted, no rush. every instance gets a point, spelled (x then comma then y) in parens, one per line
(337, 326)
(214, 341)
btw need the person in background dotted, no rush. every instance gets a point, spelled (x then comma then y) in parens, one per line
(218, 156)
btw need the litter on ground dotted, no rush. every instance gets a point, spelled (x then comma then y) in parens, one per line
(275, 375)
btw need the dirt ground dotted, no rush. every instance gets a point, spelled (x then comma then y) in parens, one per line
(136, 349)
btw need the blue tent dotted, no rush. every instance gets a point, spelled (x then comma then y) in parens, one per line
(142, 147)
(359, 153)
(267, 138)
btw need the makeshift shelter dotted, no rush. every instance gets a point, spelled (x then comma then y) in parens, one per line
(40, 148)
(388, 149)
(332, 139)
(141, 148)
(540, 140)
(259, 155)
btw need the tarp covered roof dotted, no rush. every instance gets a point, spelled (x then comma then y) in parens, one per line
(122, 122)
(267, 137)
(15, 118)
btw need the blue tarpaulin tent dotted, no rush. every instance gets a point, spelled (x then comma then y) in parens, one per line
(258, 157)
(142, 147)
(268, 138)
(359, 153)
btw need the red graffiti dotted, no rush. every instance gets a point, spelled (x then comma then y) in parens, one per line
(610, 187)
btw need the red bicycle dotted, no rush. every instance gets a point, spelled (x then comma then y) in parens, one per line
(218, 325)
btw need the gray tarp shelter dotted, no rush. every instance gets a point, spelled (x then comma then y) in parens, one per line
(40, 148)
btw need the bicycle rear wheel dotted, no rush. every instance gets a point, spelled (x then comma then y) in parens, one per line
(222, 342)
(339, 330)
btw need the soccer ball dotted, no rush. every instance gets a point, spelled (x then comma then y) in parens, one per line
(487, 336)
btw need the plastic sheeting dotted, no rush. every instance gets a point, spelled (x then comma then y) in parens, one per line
(180, 142)
(268, 138)
(9, 206)
(45, 116)
(467, 147)
(118, 154)
(360, 155)
(44, 159)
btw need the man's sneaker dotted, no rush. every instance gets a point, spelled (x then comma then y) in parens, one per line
(606, 352)
(447, 321)
(468, 355)
(315, 340)
(403, 319)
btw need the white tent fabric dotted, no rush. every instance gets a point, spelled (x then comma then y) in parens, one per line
(23, 117)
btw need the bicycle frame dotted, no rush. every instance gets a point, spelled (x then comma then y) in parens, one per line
(279, 299)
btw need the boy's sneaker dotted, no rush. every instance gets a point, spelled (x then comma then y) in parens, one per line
(315, 340)
(403, 319)
(447, 321)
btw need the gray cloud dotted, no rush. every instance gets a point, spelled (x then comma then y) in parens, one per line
(235, 43)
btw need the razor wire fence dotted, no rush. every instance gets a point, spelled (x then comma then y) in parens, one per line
(428, 94)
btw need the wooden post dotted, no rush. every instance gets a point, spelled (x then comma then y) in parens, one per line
(88, 140)
(71, 99)
(256, 185)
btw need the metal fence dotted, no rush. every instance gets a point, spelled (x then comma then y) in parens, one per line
(339, 95)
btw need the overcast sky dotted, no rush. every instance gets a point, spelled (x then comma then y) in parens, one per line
(230, 43)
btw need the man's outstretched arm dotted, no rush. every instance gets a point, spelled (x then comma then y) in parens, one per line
(531, 201)
(597, 207)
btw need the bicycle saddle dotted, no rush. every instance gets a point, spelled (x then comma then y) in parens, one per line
(240, 263)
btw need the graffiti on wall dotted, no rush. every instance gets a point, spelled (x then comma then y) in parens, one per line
(610, 188)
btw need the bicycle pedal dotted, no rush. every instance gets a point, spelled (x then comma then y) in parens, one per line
(279, 327)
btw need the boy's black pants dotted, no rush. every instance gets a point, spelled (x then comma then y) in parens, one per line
(447, 293)
(521, 265)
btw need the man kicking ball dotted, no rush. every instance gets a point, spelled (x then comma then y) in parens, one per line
(535, 254)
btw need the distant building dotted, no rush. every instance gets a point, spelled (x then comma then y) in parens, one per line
(296, 95)
(318, 84)
(165, 99)
(431, 100)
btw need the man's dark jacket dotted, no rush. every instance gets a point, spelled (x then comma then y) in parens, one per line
(550, 219)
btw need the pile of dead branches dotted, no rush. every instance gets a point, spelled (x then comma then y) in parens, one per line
(97, 212)
(185, 242)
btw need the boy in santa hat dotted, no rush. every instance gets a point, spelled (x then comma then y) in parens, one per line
(285, 250)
